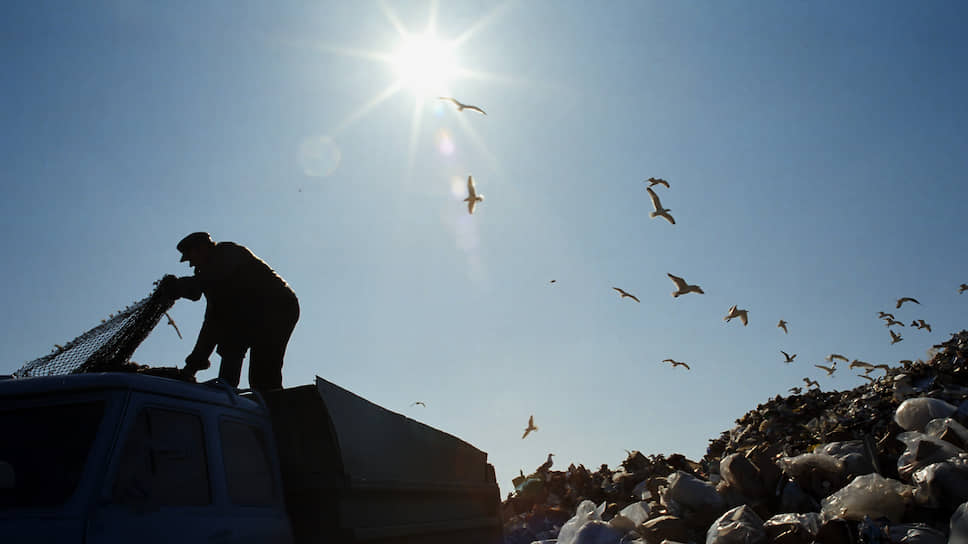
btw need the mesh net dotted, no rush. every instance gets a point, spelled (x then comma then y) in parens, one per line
(107, 347)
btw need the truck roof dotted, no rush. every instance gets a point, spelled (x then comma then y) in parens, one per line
(208, 392)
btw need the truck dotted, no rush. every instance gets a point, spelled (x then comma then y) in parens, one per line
(111, 457)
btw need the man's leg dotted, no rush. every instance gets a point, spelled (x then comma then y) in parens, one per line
(230, 369)
(268, 351)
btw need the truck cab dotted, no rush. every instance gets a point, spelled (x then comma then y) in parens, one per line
(124, 457)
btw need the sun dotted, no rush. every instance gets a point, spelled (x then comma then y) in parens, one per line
(425, 64)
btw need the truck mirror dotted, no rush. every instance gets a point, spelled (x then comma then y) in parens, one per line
(8, 478)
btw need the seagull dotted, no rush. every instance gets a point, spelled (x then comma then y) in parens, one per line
(659, 210)
(530, 427)
(882, 315)
(676, 363)
(657, 181)
(472, 196)
(811, 383)
(546, 465)
(741, 314)
(789, 358)
(460, 105)
(782, 325)
(882, 366)
(682, 287)
(624, 294)
(172, 323)
(833, 356)
(962, 288)
(895, 338)
(829, 369)
(902, 300)
(890, 322)
(795, 390)
(420, 403)
(920, 324)
(866, 377)
(857, 363)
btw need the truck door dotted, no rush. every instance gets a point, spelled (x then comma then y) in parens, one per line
(159, 484)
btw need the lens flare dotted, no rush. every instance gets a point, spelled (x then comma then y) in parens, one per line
(445, 144)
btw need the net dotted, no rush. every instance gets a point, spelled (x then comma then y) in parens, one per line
(107, 347)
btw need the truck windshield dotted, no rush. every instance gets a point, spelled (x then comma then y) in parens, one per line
(43, 452)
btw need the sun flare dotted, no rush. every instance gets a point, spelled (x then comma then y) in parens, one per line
(425, 64)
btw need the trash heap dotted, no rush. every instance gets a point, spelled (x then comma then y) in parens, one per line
(883, 463)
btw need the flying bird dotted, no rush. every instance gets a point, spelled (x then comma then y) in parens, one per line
(811, 383)
(657, 181)
(789, 358)
(895, 338)
(418, 403)
(795, 390)
(856, 363)
(624, 294)
(828, 369)
(889, 322)
(659, 210)
(882, 366)
(552, 281)
(682, 287)
(782, 325)
(460, 105)
(833, 356)
(172, 323)
(902, 300)
(882, 315)
(741, 314)
(920, 324)
(530, 427)
(866, 377)
(676, 363)
(472, 196)
(962, 288)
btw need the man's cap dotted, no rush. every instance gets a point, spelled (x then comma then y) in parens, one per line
(194, 239)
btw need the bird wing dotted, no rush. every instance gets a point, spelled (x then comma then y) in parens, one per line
(785, 354)
(668, 361)
(470, 206)
(471, 190)
(685, 365)
(661, 181)
(635, 298)
(668, 217)
(475, 108)
(620, 291)
(531, 421)
(656, 203)
(454, 100)
(744, 317)
(680, 283)
(526, 432)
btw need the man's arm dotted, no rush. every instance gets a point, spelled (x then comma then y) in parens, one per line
(204, 345)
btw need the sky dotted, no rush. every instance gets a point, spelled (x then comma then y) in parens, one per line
(815, 153)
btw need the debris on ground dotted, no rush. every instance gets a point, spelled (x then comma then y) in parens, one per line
(883, 463)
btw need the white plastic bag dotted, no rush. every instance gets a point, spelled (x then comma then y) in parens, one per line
(585, 513)
(914, 414)
(740, 525)
(686, 493)
(597, 532)
(868, 495)
(922, 450)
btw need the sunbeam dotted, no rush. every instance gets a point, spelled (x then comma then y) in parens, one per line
(374, 102)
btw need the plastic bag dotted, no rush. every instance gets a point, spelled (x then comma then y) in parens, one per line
(959, 526)
(585, 513)
(915, 533)
(742, 475)
(851, 453)
(686, 494)
(597, 532)
(637, 512)
(868, 495)
(817, 473)
(922, 450)
(740, 525)
(949, 430)
(804, 526)
(914, 414)
(942, 485)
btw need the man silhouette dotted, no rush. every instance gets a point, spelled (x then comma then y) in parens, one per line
(248, 308)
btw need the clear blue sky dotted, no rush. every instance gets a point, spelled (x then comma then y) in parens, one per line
(816, 151)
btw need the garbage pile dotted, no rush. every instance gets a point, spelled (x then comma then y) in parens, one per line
(884, 463)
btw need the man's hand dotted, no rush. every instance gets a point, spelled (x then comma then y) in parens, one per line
(195, 362)
(168, 287)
